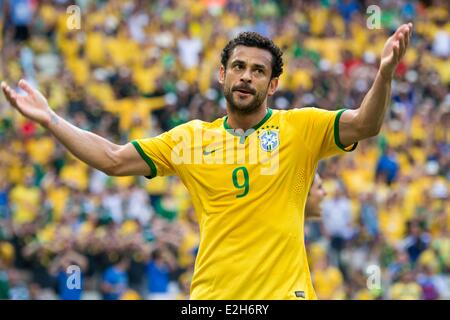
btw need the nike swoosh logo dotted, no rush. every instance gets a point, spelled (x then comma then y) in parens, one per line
(206, 152)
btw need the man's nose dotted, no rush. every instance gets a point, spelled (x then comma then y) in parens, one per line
(247, 75)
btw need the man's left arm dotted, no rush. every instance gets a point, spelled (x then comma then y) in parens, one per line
(366, 121)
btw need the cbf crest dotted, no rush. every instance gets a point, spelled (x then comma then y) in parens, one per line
(269, 138)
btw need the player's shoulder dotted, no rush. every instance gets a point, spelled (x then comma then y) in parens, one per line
(217, 123)
(306, 114)
(302, 110)
(197, 124)
(297, 113)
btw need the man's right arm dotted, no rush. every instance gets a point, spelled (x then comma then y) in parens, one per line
(97, 152)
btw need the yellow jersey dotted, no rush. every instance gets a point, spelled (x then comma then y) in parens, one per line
(249, 191)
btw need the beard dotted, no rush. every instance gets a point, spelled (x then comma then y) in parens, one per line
(247, 105)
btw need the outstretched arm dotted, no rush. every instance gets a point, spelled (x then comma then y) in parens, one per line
(97, 152)
(366, 121)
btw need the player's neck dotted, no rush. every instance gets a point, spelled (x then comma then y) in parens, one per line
(246, 121)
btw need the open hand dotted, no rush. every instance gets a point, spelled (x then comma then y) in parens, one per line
(33, 105)
(394, 50)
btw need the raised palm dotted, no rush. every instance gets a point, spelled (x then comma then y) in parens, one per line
(33, 105)
(394, 50)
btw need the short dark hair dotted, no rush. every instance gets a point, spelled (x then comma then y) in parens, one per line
(253, 39)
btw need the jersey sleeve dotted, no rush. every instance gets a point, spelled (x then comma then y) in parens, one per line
(320, 130)
(157, 151)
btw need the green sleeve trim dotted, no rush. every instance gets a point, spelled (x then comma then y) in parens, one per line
(146, 158)
(336, 133)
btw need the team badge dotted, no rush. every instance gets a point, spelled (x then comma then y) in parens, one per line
(269, 139)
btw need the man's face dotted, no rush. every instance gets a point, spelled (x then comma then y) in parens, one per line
(247, 79)
(316, 195)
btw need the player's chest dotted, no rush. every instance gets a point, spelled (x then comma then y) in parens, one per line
(235, 164)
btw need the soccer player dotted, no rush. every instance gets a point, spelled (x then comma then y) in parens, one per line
(248, 173)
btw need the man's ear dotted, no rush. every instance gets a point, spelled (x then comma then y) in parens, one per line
(221, 74)
(273, 85)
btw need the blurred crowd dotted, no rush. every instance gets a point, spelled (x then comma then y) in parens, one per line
(133, 69)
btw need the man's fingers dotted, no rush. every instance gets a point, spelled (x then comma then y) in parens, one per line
(410, 25)
(404, 29)
(401, 45)
(407, 39)
(4, 88)
(402, 35)
(10, 99)
(395, 52)
(400, 30)
(408, 31)
(407, 27)
(7, 90)
(10, 95)
(26, 87)
(403, 48)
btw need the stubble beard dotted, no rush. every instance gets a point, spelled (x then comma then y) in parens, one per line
(244, 108)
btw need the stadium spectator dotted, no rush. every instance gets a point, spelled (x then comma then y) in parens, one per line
(406, 288)
(115, 280)
(338, 224)
(159, 270)
(60, 268)
(416, 242)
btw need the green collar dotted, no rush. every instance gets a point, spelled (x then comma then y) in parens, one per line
(245, 134)
(256, 127)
